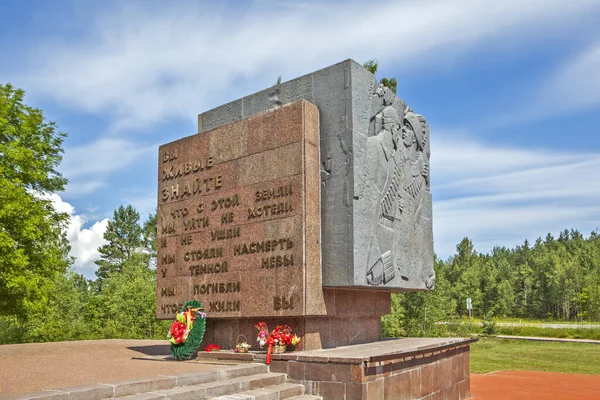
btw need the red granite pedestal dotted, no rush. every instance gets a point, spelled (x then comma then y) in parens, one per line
(352, 317)
(411, 368)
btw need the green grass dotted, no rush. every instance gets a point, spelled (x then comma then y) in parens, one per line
(490, 354)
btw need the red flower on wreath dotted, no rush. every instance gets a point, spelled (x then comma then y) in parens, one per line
(177, 331)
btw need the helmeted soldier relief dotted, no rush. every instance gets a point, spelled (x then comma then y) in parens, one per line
(395, 189)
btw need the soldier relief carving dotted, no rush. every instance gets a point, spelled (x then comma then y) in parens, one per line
(394, 196)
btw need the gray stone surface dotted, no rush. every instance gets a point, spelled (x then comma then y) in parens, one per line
(142, 385)
(376, 205)
(89, 392)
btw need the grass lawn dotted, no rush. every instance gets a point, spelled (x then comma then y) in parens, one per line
(490, 354)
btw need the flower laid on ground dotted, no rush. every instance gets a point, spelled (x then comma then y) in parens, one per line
(263, 332)
(242, 347)
(280, 336)
(213, 347)
(295, 340)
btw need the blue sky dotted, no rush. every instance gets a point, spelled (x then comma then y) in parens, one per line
(511, 90)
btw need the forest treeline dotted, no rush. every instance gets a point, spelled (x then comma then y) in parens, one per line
(553, 279)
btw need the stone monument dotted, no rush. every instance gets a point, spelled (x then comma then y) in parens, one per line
(306, 204)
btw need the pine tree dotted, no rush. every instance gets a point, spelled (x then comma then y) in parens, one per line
(125, 238)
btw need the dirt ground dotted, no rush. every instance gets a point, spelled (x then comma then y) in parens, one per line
(530, 385)
(26, 368)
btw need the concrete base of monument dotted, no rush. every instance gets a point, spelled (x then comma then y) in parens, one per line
(351, 317)
(411, 368)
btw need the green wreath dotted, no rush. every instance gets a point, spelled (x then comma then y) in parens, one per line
(184, 351)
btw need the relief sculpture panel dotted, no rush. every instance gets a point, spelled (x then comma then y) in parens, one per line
(393, 198)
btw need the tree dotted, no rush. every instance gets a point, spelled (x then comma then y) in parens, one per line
(124, 302)
(372, 66)
(149, 228)
(125, 237)
(33, 246)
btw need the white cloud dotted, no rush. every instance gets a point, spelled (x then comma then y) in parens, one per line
(84, 241)
(89, 166)
(502, 196)
(571, 88)
(147, 65)
(576, 85)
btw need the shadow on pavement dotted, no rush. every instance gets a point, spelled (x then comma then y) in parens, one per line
(153, 350)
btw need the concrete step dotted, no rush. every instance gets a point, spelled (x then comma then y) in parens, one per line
(144, 387)
(213, 389)
(306, 397)
(229, 379)
(275, 392)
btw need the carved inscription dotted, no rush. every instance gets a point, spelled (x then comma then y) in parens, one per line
(192, 188)
(270, 209)
(278, 261)
(283, 303)
(210, 268)
(230, 232)
(179, 212)
(227, 218)
(168, 228)
(169, 155)
(186, 240)
(194, 224)
(225, 234)
(262, 247)
(208, 261)
(226, 202)
(224, 306)
(273, 193)
(175, 171)
(212, 288)
(167, 259)
(171, 308)
(204, 254)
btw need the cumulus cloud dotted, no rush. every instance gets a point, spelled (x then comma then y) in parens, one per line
(146, 65)
(503, 195)
(84, 241)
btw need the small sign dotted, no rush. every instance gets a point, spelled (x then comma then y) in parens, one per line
(469, 304)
